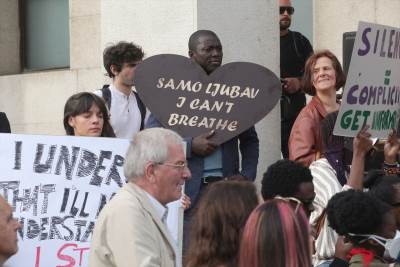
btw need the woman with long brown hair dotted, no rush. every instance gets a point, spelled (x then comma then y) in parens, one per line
(218, 224)
(323, 76)
(85, 114)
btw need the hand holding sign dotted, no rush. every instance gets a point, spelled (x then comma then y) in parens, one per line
(362, 143)
(202, 146)
(372, 91)
(185, 99)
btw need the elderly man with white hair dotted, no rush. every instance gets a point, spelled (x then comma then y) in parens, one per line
(130, 230)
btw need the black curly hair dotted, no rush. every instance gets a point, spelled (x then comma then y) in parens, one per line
(355, 212)
(384, 189)
(283, 178)
(373, 177)
(122, 52)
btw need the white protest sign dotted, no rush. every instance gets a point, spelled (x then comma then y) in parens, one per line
(372, 92)
(57, 186)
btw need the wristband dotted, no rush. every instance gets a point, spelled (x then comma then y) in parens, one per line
(391, 168)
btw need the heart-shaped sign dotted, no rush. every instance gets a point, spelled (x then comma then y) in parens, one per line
(187, 100)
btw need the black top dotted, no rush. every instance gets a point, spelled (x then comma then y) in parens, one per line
(295, 49)
(4, 123)
(339, 263)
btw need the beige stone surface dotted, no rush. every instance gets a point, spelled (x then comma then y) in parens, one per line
(388, 12)
(333, 18)
(54, 128)
(91, 79)
(85, 42)
(35, 101)
(9, 37)
(159, 26)
(79, 8)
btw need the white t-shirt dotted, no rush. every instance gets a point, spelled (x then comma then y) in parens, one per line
(125, 114)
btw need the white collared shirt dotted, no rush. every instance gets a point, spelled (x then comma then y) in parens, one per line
(125, 114)
(160, 208)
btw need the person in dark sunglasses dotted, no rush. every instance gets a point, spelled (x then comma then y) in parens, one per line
(294, 51)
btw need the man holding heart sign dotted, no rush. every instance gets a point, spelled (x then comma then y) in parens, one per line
(209, 162)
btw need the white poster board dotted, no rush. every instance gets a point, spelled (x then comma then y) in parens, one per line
(57, 185)
(372, 92)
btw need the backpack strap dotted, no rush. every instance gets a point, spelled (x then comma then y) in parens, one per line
(106, 94)
(142, 109)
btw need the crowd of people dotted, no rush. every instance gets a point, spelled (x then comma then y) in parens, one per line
(318, 206)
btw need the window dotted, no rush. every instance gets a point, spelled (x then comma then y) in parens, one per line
(44, 34)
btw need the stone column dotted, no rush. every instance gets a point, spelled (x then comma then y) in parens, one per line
(248, 31)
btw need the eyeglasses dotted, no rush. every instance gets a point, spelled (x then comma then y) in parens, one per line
(180, 166)
(293, 199)
(289, 9)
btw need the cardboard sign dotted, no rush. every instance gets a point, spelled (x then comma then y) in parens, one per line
(57, 185)
(372, 92)
(187, 100)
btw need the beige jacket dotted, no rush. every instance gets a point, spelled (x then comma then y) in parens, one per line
(129, 233)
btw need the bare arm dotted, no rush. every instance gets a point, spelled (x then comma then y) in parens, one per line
(361, 145)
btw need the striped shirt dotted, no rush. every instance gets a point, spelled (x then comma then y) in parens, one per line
(325, 185)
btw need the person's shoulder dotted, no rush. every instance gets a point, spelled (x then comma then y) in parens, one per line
(307, 113)
(320, 163)
(98, 92)
(126, 198)
(299, 35)
(323, 172)
(314, 108)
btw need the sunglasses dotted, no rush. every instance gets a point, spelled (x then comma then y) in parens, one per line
(291, 199)
(288, 9)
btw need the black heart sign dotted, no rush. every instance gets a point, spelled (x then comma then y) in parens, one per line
(185, 99)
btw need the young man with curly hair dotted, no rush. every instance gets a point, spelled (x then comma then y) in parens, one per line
(290, 180)
(128, 113)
